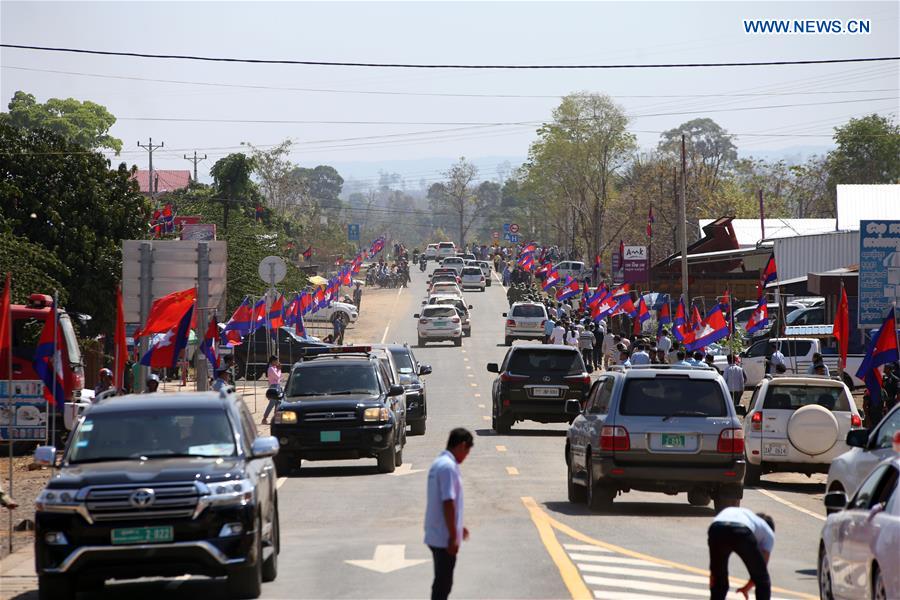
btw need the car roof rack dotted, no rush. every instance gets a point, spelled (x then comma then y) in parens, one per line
(311, 353)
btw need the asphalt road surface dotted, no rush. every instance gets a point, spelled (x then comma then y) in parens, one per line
(349, 532)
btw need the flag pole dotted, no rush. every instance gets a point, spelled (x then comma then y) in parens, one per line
(840, 343)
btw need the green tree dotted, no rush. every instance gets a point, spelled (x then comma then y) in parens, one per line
(231, 175)
(77, 208)
(83, 123)
(868, 151)
(457, 195)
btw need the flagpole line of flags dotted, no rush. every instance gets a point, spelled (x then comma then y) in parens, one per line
(172, 317)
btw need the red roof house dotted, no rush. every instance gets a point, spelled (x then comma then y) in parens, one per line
(163, 180)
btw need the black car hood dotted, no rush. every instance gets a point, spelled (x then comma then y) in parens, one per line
(156, 470)
(331, 403)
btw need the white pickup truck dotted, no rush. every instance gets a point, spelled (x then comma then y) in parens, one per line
(798, 353)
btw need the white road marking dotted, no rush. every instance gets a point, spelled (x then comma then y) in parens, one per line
(647, 586)
(668, 575)
(585, 548)
(789, 504)
(486, 418)
(501, 448)
(479, 396)
(280, 482)
(465, 359)
(512, 471)
(387, 559)
(611, 595)
(386, 327)
(480, 405)
(405, 469)
(468, 367)
(614, 560)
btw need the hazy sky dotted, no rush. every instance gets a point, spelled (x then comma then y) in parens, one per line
(458, 32)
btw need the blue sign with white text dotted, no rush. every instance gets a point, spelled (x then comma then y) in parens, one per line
(353, 232)
(879, 270)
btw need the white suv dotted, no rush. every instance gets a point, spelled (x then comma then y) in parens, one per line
(525, 320)
(472, 277)
(446, 249)
(438, 323)
(431, 252)
(453, 262)
(797, 424)
(485, 267)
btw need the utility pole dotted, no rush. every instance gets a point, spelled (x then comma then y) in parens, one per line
(762, 215)
(150, 148)
(195, 160)
(682, 227)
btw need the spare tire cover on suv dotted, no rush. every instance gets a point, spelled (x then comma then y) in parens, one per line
(813, 429)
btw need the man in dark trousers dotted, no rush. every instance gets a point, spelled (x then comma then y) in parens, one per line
(444, 530)
(750, 535)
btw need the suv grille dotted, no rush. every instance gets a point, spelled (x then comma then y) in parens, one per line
(115, 503)
(330, 416)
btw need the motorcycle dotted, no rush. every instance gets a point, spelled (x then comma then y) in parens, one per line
(422, 264)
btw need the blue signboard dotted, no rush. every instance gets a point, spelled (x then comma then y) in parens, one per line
(506, 228)
(513, 238)
(26, 417)
(879, 270)
(353, 232)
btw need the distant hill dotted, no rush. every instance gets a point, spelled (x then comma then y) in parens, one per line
(793, 155)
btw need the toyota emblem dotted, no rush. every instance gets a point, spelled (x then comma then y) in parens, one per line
(546, 378)
(142, 498)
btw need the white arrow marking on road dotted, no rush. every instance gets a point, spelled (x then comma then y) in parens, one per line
(387, 559)
(405, 469)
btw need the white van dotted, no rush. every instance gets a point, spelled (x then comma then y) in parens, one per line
(573, 268)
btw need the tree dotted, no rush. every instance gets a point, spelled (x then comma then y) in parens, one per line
(231, 175)
(456, 194)
(868, 151)
(77, 208)
(83, 123)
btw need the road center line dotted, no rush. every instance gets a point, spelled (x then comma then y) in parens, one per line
(512, 471)
(386, 327)
(567, 569)
(789, 504)
(501, 448)
(280, 482)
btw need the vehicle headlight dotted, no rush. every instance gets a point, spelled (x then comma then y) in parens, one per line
(376, 415)
(238, 491)
(286, 417)
(56, 500)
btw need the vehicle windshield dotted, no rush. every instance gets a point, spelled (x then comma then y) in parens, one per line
(526, 361)
(792, 397)
(403, 361)
(673, 396)
(439, 311)
(156, 433)
(528, 311)
(472, 271)
(333, 380)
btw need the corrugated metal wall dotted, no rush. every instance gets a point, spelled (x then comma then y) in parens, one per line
(798, 256)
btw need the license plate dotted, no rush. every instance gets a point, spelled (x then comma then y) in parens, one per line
(142, 535)
(329, 436)
(672, 441)
(440, 323)
(545, 392)
(775, 449)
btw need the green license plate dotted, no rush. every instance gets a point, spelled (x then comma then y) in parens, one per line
(672, 441)
(329, 436)
(440, 323)
(143, 535)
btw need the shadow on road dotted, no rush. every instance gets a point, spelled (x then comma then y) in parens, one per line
(152, 590)
(634, 509)
(521, 433)
(307, 471)
(810, 487)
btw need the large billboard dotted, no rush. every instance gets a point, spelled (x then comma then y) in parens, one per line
(879, 270)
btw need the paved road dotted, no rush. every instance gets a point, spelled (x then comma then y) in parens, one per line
(527, 540)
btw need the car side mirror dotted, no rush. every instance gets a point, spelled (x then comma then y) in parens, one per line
(424, 369)
(740, 410)
(504, 314)
(416, 316)
(858, 438)
(424, 301)
(471, 307)
(45, 456)
(395, 390)
(493, 368)
(835, 501)
(573, 408)
(264, 446)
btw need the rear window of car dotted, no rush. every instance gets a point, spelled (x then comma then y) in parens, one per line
(472, 271)
(524, 361)
(445, 245)
(792, 397)
(403, 361)
(665, 396)
(439, 311)
(528, 311)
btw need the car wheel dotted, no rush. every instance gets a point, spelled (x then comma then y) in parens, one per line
(421, 343)
(386, 460)
(246, 582)
(508, 341)
(502, 424)
(56, 587)
(417, 428)
(698, 498)
(754, 472)
(457, 341)
(599, 497)
(285, 463)
(270, 565)
(577, 493)
(825, 588)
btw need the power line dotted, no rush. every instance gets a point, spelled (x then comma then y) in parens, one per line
(322, 63)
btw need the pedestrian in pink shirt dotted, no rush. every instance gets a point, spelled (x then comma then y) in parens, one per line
(273, 373)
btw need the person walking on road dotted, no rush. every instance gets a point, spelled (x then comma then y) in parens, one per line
(444, 529)
(273, 374)
(735, 379)
(751, 536)
(357, 296)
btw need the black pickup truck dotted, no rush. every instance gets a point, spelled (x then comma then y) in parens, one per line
(339, 404)
(159, 485)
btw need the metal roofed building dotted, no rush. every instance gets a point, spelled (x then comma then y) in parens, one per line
(857, 203)
(749, 232)
(798, 256)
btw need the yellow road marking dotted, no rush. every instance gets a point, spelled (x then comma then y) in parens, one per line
(280, 482)
(512, 471)
(470, 375)
(465, 359)
(501, 448)
(563, 528)
(791, 504)
(474, 384)
(468, 367)
(567, 569)
(480, 405)
(479, 396)
(486, 418)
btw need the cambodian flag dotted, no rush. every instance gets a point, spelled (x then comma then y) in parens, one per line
(597, 262)
(696, 320)
(47, 361)
(711, 330)
(239, 324)
(208, 345)
(526, 261)
(605, 307)
(167, 349)
(258, 319)
(621, 290)
(551, 280)
(663, 317)
(306, 303)
(625, 307)
(642, 312)
(292, 311)
(679, 322)
(882, 350)
(570, 289)
(276, 314)
(770, 273)
(759, 319)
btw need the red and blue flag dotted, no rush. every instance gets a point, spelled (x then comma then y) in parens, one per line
(643, 313)
(47, 361)
(679, 322)
(164, 353)
(239, 324)
(570, 289)
(208, 345)
(759, 318)
(551, 280)
(712, 329)
(881, 351)
(663, 317)
(770, 273)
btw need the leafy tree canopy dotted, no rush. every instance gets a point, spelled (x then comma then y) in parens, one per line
(868, 151)
(83, 123)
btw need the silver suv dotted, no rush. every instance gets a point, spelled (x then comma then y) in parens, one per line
(658, 429)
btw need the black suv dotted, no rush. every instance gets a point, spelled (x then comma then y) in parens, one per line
(339, 404)
(159, 485)
(410, 372)
(260, 347)
(535, 382)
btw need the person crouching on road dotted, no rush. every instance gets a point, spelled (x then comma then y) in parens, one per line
(751, 536)
(444, 529)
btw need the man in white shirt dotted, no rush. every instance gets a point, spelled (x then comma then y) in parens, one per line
(640, 357)
(752, 537)
(444, 529)
(735, 379)
(775, 359)
(558, 336)
(664, 343)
